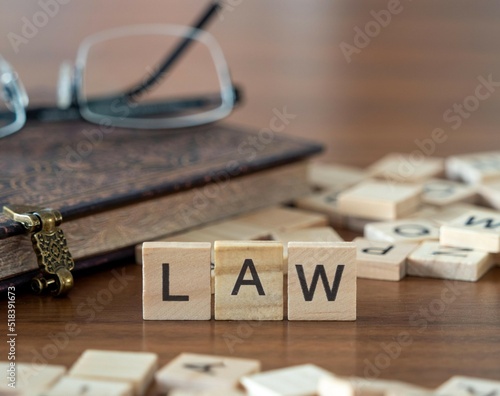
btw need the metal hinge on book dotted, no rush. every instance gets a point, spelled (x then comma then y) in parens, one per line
(50, 246)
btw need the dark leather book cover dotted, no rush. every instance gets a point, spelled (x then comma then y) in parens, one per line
(84, 170)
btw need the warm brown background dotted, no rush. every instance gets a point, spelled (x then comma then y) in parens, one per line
(286, 53)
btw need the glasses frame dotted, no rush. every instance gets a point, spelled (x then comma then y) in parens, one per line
(78, 107)
(186, 33)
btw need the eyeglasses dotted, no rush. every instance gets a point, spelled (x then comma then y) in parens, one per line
(105, 87)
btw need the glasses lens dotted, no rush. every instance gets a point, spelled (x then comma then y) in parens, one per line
(123, 81)
(7, 115)
(12, 101)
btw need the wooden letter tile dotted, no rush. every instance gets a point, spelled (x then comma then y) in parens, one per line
(323, 202)
(410, 230)
(474, 168)
(380, 200)
(321, 281)
(32, 377)
(445, 192)
(403, 168)
(330, 385)
(468, 386)
(432, 260)
(248, 280)
(134, 368)
(490, 193)
(477, 229)
(316, 234)
(204, 373)
(292, 381)
(176, 281)
(334, 175)
(382, 260)
(70, 386)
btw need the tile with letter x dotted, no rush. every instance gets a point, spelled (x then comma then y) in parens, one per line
(476, 229)
(380, 200)
(134, 368)
(291, 381)
(204, 373)
(69, 386)
(468, 386)
(248, 280)
(432, 260)
(382, 260)
(176, 281)
(321, 281)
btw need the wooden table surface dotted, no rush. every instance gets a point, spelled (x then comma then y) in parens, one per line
(390, 97)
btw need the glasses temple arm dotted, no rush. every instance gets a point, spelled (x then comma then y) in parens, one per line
(171, 58)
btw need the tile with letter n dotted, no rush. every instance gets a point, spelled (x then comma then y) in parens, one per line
(134, 368)
(407, 230)
(321, 281)
(248, 280)
(476, 229)
(469, 386)
(205, 373)
(70, 386)
(176, 281)
(291, 381)
(379, 200)
(382, 260)
(432, 260)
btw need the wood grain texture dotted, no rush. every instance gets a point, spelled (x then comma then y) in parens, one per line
(248, 280)
(176, 281)
(390, 97)
(321, 281)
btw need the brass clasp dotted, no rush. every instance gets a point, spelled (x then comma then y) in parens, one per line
(50, 246)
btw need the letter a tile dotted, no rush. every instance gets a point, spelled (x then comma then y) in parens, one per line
(176, 281)
(321, 281)
(248, 280)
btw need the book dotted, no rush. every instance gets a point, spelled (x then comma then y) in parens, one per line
(121, 187)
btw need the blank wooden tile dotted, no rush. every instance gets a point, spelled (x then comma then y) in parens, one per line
(425, 211)
(432, 260)
(476, 229)
(70, 386)
(451, 212)
(474, 168)
(214, 392)
(323, 202)
(315, 234)
(33, 377)
(406, 168)
(490, 193)
(331, 385)
(382, 260)
(321, 281)
(248, 280)
(283, 219)
(135, 368)
(469, 386)
(440, 192)
(380, 200)
(204, 372)
(334, 175)
(176, 281)
(292, 381)
(407, 230)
